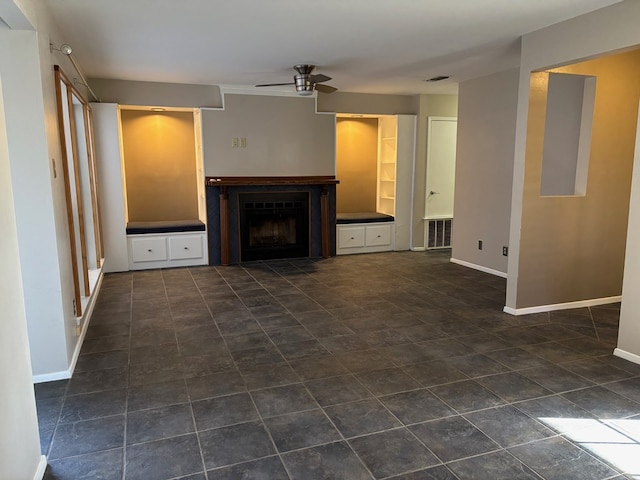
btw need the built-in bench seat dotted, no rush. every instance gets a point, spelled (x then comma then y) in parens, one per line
(165, 244)
(362, 217)
(165, 226)
(364, 232)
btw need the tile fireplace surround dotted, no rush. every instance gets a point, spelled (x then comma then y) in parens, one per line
(223, 217)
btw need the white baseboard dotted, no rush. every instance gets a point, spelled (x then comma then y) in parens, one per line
(418, 249)
(88, 311)
(594, 302)
(42, 466)
(632, 357)
(497, 273)
(51, 377)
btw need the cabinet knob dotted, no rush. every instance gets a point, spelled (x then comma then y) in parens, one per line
(351, 238)
(149, 250)
(186, 248)
(378, 236)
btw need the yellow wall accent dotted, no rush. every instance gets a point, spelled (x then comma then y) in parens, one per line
(160, 165)
(356, 164)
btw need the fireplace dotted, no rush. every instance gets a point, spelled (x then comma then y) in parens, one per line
(274, 225)
(315, 223)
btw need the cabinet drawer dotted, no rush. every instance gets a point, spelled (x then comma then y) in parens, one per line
(149, 249)
(184, 247)
(378, 235)
(350, 237)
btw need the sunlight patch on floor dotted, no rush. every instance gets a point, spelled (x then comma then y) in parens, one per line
(614, 441)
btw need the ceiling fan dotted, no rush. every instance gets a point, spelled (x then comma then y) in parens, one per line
(305, 81)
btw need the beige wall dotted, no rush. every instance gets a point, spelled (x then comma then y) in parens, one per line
(427, 106)
(160, 165)
(284, 137)
(597, 33)
(356, 164)
(343, 102)
(484, 169)
(572, 248)
(127, 92)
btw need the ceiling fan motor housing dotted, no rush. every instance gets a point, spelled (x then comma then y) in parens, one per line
(303, 84)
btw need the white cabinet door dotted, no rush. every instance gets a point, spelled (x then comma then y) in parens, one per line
(350, 237)
(149, 249)
(378, 235)
(181, 248)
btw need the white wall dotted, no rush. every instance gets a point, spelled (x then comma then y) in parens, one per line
(285, 137)
(19, 442)
(484, 169)
(112, 199)
(629, 331)
(33, 197)
(26, 67)
(604, 31)
(405, 164)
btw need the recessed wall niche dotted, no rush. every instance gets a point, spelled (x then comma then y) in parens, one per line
(567, 134)
(160, 165)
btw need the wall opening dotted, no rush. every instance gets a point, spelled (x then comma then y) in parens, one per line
(567, 134)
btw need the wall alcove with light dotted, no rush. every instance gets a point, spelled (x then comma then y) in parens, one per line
(163, 186)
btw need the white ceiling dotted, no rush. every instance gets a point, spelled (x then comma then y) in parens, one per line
(367, 46)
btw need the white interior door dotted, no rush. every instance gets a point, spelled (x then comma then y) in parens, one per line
(441, 165)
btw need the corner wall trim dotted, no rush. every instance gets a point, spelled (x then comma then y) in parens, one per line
(632, 357)
(594, 302)
(491, 271)
(42, 466)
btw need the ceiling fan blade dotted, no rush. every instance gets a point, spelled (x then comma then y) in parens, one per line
(325, 88)
(319, 78)
(274, 84)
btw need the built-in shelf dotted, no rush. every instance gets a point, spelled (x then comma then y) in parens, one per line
(387, 158)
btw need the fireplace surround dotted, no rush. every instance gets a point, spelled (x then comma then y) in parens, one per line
(226, 196)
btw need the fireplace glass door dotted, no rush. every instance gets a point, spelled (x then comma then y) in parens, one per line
(274, 225)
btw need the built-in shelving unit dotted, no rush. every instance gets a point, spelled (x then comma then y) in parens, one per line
(387, 157)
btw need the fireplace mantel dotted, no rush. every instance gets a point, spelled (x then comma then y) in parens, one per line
(309, 180)
(222, 210)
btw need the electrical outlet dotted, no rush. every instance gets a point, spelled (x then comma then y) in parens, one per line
(234, 142)
(243, 142)
(479, 244)
(505, 251)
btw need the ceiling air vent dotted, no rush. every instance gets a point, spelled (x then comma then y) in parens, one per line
(437, 79)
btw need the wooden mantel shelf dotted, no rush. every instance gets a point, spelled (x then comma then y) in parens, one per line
(311, 180)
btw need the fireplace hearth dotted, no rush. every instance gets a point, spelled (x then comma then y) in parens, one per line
(274, 225)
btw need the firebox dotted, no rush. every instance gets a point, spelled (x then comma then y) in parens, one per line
(274, 225)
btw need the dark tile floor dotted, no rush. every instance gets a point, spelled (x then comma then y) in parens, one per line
(396, 365)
